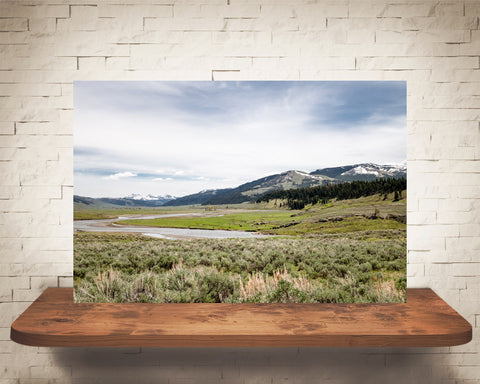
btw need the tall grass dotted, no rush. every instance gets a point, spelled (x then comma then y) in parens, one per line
(360, 267)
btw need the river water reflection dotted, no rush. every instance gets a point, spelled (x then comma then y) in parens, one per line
(107, 225)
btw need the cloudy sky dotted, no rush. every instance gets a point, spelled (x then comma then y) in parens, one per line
(179, 138)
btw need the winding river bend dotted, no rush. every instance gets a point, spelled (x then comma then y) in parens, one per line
(107, 225)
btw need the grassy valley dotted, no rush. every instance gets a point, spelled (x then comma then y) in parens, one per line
(351, 250)
(366, 213)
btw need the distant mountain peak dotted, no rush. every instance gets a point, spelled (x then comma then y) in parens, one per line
(363, 171)
(306, 174)
(250, 191)
(376, 170)
(148, 197)
(132, 200)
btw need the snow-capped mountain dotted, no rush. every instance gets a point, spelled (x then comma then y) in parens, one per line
(364, 171)
(376, 170)
(149, 197)
(252, 190)
(132, 200)
(306, 174)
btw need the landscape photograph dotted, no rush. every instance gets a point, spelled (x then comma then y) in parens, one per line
(240, 191)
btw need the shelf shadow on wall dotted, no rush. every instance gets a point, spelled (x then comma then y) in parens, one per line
(247, 365)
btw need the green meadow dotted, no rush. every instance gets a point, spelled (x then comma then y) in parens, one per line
(344, 251)
(363, 214)
(112, 213)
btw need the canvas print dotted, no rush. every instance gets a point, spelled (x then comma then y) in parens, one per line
(240, 192)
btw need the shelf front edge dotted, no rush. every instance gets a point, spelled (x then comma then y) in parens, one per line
(53, 320)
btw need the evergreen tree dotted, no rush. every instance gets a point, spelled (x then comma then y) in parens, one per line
(298, 198)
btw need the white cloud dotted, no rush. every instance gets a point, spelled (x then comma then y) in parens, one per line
(121, 175)
(195, 143)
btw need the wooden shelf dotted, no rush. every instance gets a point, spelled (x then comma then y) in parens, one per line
(53, 320)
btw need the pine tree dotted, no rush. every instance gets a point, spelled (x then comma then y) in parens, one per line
(396, 198)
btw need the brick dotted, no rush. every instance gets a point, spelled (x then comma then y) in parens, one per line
(91, 63)
(259, 24)
(430, 36)
(243, 38)
(436, 233)
(41, 63)
(332, 9)
(183, 24)
(41, 192)
(16, 50)
(117, 63)
(126, 11)
(472, 8)
(407, 10)
(186, 10)
(11, 268)
(230, 49)
(43, 25)
(30, 89)
(42, 283)
(462, 243)
(333, 63)
(4, 334)
(469, 229)
(232, 10)
(45, 256)
(366, 9)
(393, 63)
(46, 372)
(363, 37)
(13, 24)
(45, 269)
(7, 128)
(454, 217)
(83, 47)
(34, 10)
(420, 243)
(58, 243)
(65, 281)
(10, 284)
(456, 62)
(415, 270)
(83, 17)
(278, 10)
(438, 23)
(457, 205)
(8, 313)
(422, 218)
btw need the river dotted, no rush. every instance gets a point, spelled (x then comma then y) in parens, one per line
(107, 225)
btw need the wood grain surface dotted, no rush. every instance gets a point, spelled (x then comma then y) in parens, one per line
(424, 321)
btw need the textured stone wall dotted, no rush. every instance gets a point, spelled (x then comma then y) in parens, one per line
(46, 45)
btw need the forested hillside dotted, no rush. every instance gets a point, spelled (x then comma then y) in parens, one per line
(299, 198)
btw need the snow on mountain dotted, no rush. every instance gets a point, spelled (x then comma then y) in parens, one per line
(360, 170)
(376, 170)
(306, 174)
(149, 197)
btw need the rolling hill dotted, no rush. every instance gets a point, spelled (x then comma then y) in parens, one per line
(251, 191)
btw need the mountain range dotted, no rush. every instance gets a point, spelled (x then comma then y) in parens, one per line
(251, 191)
(134, 200)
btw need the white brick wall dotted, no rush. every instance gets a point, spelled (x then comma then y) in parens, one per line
(46, 45)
